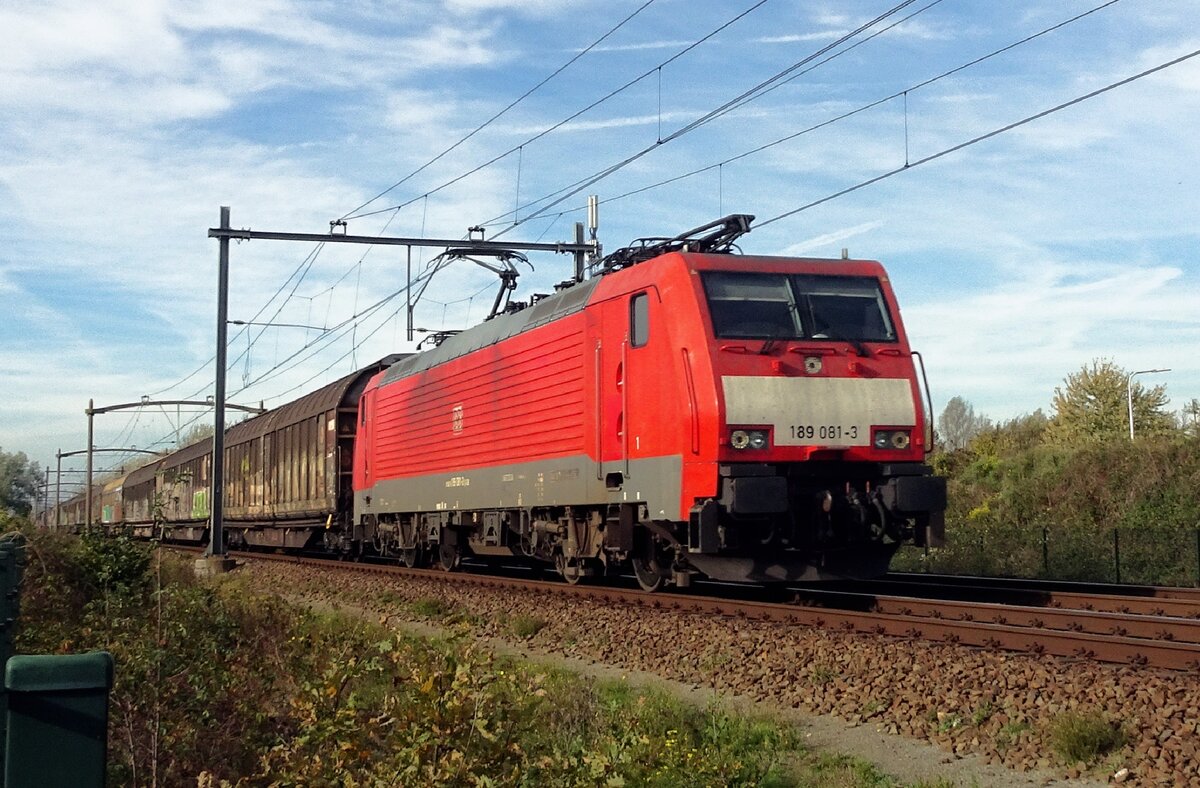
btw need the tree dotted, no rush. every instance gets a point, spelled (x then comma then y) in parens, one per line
(959, 423)
(197, 433)
(19, 480)
(1189, 418)
(1092, 404)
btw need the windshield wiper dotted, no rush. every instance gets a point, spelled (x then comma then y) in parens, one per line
(769, 342)
(831, 332)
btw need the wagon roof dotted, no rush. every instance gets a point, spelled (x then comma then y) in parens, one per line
(115, 484)
(186, 454)
(143, 474)
(340, 393)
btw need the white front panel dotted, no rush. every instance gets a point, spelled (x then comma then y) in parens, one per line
(819, 411)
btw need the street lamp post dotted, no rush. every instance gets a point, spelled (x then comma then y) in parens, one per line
(1129, 392)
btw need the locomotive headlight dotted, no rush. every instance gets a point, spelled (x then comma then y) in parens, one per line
(891, 440)
(755, 440)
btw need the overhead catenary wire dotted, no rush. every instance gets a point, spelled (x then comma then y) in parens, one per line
(332, 334)
(372, 333)
(560, 196)
(982, 137)
(857, 110)
(301, 269)
(309, 261)
(504, 111)
(327, 335)
(569, 118)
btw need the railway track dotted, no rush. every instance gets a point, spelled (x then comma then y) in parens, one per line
(1144, 600)
(1068, 625)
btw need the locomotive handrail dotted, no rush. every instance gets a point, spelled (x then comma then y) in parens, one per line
(929, 431)
(693, 408)
(599, 413)
(625, 404)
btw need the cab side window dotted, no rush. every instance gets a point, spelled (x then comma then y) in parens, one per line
(639, 320)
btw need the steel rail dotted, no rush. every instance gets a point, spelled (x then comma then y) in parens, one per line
(1168, 603)
(1048, 586)
(1130, 624)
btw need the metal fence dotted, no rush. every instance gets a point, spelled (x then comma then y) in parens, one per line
(1151, 555)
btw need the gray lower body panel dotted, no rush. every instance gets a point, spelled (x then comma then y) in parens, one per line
(562, 481)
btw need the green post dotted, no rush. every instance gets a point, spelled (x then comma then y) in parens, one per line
(1045, 551)
(11, 564)
(57, 733)
(1117, 552)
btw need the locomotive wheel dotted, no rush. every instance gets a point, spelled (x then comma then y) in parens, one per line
(651, 564)
(448, 556)
(412, 557)
(648, 575)
(572, 573)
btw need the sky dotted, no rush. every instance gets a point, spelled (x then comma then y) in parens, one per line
(1017, 259)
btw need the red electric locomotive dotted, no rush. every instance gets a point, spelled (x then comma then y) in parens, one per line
(687, 410)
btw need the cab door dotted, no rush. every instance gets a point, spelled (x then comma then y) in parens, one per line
(611, 333)
(630, 377)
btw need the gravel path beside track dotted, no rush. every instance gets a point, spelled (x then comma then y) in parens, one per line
(990, 705)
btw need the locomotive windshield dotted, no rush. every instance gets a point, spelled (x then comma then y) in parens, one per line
(797, 306)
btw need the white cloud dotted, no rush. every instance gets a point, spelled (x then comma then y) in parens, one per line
(641, 46)
(130, 37)
(609, 123)
(796, 38)
(821, 244)
(530, 7)
(1046, 320)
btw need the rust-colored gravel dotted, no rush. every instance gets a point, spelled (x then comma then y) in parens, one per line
(995, 704)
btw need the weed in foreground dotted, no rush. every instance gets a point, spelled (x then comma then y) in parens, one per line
(430, 607)
(1009, 734)
(1085, 736)
(525, 626)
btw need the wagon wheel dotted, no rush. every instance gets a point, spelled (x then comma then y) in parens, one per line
(448, 556)
(651, 564)
(413, 556)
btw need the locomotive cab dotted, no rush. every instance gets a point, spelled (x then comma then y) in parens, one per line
(821, 430)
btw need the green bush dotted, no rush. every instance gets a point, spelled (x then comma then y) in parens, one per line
(411, 712)
(196, 671)
(1085, 737)
(1030, 509)
(525, 626)
(222, 683)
